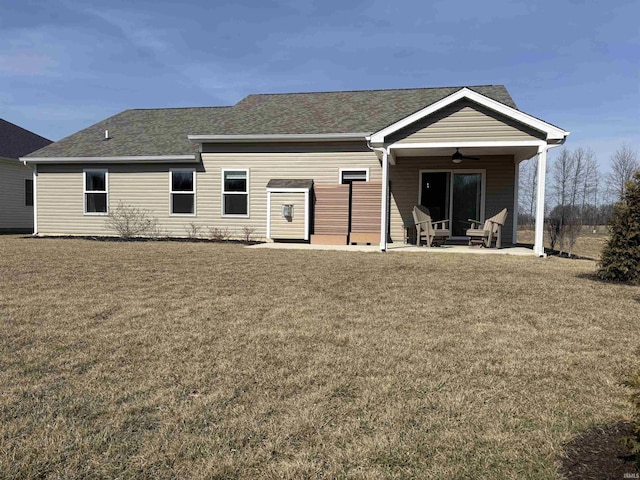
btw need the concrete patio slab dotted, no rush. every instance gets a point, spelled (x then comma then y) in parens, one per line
(399, 248)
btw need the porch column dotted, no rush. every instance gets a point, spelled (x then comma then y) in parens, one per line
(385, 197)
(538, 246)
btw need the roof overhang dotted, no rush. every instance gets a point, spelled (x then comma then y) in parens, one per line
(122, 159)
(293, 137)
(552, 134)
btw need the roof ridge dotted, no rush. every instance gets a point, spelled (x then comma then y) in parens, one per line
(375, 90)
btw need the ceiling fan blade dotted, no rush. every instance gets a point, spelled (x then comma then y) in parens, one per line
(457, 157)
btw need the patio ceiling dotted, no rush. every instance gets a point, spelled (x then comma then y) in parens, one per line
(519, 153)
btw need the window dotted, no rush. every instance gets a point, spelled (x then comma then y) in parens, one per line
(348, 175)
(95, 192)
(28, 192)
(235, 192)
(182, 188)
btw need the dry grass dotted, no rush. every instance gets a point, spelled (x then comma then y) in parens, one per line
(194, 360)
(588, 245)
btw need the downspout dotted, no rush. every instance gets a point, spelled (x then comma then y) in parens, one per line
(384, 207)
(35, 194)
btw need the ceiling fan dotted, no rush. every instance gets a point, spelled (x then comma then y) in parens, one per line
(458, 157)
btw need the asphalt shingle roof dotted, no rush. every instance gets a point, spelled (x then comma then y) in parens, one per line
(164, 131)
(16, 142)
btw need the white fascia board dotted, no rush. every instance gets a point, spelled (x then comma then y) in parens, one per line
(552, 132)
(123, 159)
(286, 190)
(294, 137)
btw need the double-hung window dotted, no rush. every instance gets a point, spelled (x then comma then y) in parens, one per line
(96, 186)
(235, 192)
(182, 189)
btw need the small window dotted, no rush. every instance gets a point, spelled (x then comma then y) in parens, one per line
(28, 192)
(235, 192)
(354, 175)
(95, 192)
(182, 189)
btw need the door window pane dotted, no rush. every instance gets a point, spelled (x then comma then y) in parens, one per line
(466, 201)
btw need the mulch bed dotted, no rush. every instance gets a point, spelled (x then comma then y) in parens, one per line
(598, 454)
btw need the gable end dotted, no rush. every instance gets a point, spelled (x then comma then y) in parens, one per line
(465, 120)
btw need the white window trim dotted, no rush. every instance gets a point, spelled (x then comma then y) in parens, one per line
(247, 193)
(85, 191)
(350, 169)
(452, 171)
(171, 192)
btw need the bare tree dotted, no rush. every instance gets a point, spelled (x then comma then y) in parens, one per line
(527, 190)
(624, 163)
(589, 186)
(574, 186)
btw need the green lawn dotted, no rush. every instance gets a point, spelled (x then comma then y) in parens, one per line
(201, 360)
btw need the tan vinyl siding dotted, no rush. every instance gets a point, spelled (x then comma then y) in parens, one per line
(14, 214)
(281, 227)
(405, 181)
(60, 189)
(465, 121)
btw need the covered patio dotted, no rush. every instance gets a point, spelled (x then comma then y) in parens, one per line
(460, 158)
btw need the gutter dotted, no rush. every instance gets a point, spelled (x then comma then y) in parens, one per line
(122, 159)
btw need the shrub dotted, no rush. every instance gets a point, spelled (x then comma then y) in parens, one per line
(247, 234)
(129, 221)
(218, 234)
(620, 260)
(633, 442)
(193, 231)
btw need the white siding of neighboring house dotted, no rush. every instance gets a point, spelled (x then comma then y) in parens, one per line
(14, 214)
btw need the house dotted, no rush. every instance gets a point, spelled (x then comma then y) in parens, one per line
(16, 179)
(274, 163)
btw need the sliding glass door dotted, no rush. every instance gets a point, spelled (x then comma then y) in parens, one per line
(453, 195)
(465, 199)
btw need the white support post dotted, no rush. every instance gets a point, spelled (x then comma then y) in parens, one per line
(385, 196)
(35, 199)
(538, 246)
(516, 184)
(306, 215)
(268, 214)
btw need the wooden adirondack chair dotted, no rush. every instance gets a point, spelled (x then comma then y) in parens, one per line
(428, 229)
(492, 230)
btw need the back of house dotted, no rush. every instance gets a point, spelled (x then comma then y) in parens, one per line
(293, 166)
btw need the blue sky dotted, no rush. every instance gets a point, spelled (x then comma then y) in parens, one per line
(65, 65)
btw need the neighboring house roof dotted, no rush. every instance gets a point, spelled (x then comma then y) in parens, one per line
(17, 142)
(163, 132)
